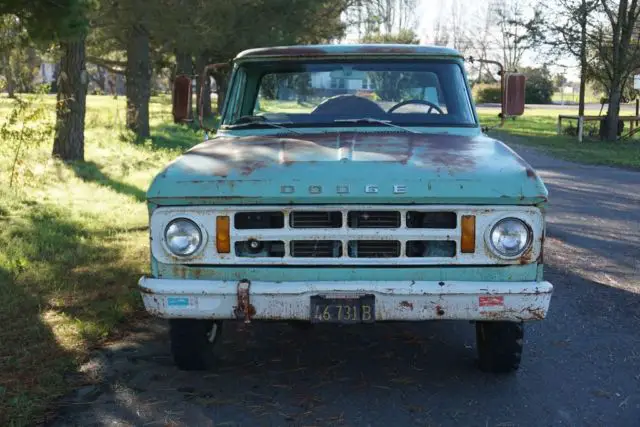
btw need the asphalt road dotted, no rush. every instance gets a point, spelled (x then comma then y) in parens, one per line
(581, 366)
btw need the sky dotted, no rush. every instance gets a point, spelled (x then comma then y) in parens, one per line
(429, 10)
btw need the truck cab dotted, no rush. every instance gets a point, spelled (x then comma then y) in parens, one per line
(348, 184)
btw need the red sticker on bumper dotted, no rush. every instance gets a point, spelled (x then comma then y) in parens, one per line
(491, 301)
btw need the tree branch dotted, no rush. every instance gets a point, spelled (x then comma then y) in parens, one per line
(99, 62)
(103, 61)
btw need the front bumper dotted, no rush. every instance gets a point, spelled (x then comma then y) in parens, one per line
(394, 300)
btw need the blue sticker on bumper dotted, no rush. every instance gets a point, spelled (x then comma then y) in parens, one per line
(178, 302)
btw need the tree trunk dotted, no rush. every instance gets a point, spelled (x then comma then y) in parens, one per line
(138, 81)
(201, 62)
(583, 56)
(68, 143)
(184, 66)
(101, 79)
(8, 75)
(54, 76)
(613, 112)
(221, 89)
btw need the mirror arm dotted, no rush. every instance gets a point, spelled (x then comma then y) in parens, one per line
(501, 73)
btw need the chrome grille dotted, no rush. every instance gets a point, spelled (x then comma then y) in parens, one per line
(423, 235)
(374, 248)
(316, 219)
(431, 249)
(260, 249)
(417, 219)
(373, 219)
(258, 220)
(316, 249)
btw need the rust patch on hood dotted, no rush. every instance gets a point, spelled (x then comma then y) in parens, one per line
(220, 156)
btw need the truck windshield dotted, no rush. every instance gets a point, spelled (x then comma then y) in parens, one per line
(314, 93)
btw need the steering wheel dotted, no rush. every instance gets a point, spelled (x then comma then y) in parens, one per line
(431, 105)
(349, 105)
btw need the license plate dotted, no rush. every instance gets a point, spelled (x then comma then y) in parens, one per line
(343, 310)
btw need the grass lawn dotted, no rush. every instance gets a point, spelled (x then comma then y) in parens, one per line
(537, 128)
(73, 241)
(589, 98)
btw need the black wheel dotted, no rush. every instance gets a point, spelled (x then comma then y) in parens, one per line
(190, 340)
(499, 346)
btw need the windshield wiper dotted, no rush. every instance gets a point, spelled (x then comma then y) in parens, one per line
(246, 121)
(378, 121)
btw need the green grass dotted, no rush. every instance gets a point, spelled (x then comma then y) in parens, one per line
(276, 106)
(73, 241)
(538, 128)
(589, 97)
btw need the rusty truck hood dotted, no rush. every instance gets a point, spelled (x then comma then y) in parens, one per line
(354, 167)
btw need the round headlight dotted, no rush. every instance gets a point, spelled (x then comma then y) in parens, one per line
(510, 237)
(183, 237)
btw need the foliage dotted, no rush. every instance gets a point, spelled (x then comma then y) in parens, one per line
(47, 20)
(25, 128)
(25, 65)
(404, 36)
(12, 38)
(64, 22)
(487, 93)
(601, 85)
(614, 51)
(568, 25)
(212, 31)
(539, 87)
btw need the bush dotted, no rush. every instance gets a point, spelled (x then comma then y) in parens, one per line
(539, 88)
(487, 93)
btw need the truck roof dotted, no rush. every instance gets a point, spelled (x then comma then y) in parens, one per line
(340, 50)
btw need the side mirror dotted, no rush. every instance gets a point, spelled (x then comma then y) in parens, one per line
(513, 96)
(181, 98)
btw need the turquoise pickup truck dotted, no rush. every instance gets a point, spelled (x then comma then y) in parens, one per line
(349, 184)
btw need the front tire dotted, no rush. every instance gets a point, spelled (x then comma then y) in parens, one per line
(190, 341)
(499, 346)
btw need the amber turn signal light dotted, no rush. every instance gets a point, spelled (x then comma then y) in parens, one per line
(468, 238)
(223, 241)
